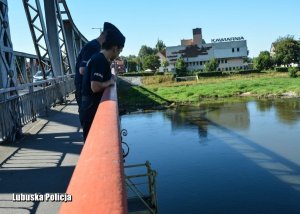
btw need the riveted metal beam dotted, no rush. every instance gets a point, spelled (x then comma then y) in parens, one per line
(7, 72)
(53, 36)
(39, 34)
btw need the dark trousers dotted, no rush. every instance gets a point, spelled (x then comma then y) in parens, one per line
(78, 97)
(86, 114)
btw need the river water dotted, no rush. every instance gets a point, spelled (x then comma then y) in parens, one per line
(239, 157)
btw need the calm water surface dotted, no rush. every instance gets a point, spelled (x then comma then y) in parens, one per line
(222, 158)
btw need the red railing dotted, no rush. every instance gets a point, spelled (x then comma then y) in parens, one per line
(97, 184)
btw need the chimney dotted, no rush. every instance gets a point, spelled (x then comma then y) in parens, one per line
(197, 36)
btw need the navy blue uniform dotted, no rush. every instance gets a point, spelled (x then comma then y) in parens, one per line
(84, 56)
(97, 69)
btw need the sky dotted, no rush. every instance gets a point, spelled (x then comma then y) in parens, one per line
(143, 22)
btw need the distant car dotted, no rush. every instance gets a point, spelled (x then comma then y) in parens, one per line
(39, 76)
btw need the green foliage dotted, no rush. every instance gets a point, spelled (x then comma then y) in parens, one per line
(293, 72)
(250, 71)
(180, 66)
(136, 74)
(212, 65)
(263, 61)
(263, 84)
(223, 74)
(165, 63)
(281, 69)
(151, 62)
(160, 46)
(287, 50)
(211, 74)
(146, 51)
(248, 60)
(132, 65)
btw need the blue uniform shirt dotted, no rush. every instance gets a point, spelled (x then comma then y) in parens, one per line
(98, 69)
(84, 56)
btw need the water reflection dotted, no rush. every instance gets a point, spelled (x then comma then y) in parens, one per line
(250, 163)
(231, 115)
(288, 111)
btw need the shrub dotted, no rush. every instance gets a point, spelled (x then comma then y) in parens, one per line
(136, 74)
(281, 69)
(249, 71)
(293, 72)
(210, 74)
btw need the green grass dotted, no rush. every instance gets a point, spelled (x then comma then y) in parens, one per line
(261, 85)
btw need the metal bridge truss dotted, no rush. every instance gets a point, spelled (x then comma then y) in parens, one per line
(7, 74)
(61, 35)
(57, 43)
(39, 35)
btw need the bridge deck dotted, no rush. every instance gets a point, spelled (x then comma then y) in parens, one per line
(42, 162)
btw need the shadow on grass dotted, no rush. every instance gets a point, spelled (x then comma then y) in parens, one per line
(132, 98)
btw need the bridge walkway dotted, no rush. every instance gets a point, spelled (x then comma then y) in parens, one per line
(42, 162)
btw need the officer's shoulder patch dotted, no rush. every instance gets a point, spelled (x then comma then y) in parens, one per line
(98, 75)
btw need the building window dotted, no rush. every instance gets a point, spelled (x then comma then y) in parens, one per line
(225, 60)
(222, 61)
(232, 50)
(200, 62)
(238, 49)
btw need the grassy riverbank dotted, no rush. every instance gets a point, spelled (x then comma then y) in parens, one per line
(269, 84)
(161, 91)
(132, 98)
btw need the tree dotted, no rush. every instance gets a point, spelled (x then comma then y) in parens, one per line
(160, 46)
(146, 51)
(248, 60)
(287, 50)
(180, 66)
(263, 61)
(165, 64)
(151, 62)
(211, 65)
(132, 65)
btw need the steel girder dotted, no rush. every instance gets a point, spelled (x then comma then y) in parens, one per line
(39, 34)
(7, 72)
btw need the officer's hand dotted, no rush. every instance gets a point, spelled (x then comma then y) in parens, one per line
(114, 77)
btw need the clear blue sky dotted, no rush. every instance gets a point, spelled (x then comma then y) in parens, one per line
(260, 22)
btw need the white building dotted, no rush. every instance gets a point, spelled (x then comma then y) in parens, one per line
(230, 52)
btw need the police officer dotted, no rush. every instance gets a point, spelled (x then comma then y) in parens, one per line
(98, 76)
(85, 54)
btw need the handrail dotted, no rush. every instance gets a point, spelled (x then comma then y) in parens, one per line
(26, 85)
(97, 184)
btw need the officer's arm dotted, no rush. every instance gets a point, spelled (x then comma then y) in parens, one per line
(100, 86)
